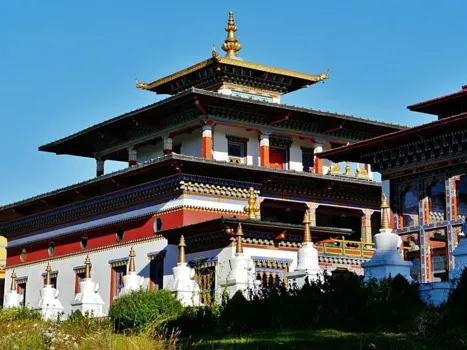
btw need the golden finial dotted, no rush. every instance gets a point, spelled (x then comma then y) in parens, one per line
(251, 208)
(348, 169)
(132, 266)
(181, 250)
(231, 44)
(307, 222)
(239, 234)
(13, 281)
(214, 52)
(385, 224)
(87, 263)
(48, 269)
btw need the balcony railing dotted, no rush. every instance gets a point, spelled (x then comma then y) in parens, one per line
(343, 247)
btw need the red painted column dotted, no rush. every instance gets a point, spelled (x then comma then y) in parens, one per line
(167, 146)
(206, 147)
(132, 156)
(264, 149)
(99, 166)
(318, 162)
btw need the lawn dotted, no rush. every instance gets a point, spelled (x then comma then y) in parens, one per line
(306, 339)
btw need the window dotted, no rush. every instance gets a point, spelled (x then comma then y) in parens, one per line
(51, 249)
(53, 278)
(278, 158)
(21, 288)
(156, 273)
(23, 255)
(308, 159)
(157, 225)
(120, 233)
(409, 204)
(79, 275)
(236, 149)
(462, 198)
(118, 271)
(436, 193)
(84, 242)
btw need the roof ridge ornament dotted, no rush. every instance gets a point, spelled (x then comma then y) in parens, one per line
(88, 265)
(385, 224)
(231, 44)
(181, 250)
(251, 209)
(13, 286)
(307, 222)
(132, 265)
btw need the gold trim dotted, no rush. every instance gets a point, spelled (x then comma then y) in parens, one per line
(235, 63)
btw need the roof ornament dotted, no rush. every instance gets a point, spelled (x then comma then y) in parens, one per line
(88, 265)
(251, 208)
(132, 266)
(13, 281)
(231, 44)
(307, 222)
(181, 250)
(48, 270)
(385, 224)
(214, 52)
(239, 234)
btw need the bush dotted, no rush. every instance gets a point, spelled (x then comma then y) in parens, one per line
(198, 320)
(136, 311)
(19, 314)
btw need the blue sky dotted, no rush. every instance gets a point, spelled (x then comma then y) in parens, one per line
(64, 67)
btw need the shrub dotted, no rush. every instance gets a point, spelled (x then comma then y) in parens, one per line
(19, 314)
(139, 309)
(198, 320)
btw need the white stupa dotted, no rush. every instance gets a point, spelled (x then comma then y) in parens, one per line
(307, 259)
(12, 297)
(386, 260)
(88, 301)
(242, 275)
(131, 281)
(49, 305)
(185, 289)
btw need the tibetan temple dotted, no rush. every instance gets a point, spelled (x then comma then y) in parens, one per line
(424, 175)
(222, 150)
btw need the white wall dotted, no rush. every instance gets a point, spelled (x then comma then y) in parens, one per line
(149, 152)
(101, 271)
(295, 153)
(191, 143)
(220, 143)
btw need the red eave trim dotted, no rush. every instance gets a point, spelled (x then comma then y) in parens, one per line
(420, 105)
(343, 150)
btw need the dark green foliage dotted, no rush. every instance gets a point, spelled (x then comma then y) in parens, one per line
(139, 309)
(342, 302)
(198, 320)
(22, 313)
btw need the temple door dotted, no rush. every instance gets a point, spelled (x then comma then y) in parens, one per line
(277, 158)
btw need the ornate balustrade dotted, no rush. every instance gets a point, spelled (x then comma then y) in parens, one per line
(343, 247)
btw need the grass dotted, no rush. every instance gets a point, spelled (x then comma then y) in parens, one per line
(91, 335)
(307, 339)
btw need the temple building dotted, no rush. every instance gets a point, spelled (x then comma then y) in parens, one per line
(424, 176)
(220, 151)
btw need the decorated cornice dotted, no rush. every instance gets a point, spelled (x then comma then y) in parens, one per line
(446, 147)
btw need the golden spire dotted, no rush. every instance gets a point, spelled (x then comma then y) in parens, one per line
(251, 208)
(87, 263)
(132, 266)
(239, 234)
(13, 281)
(231, 44)
(385, 224)
(181, 250)
(307, 222)
(48, 269)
